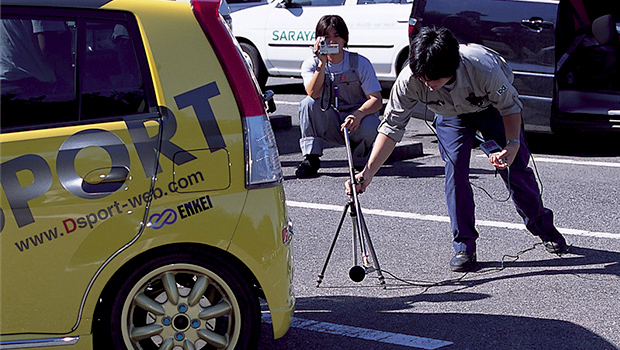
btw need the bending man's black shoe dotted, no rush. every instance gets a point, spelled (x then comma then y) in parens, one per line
(463, 261)
(560, 247)
(309, 167)
(555, 244)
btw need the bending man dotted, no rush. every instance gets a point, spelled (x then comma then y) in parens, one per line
(469, 88)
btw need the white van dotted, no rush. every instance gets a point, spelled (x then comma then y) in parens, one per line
(277, 36)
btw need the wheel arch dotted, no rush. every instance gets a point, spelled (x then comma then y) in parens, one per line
(403, 56)
(260, 68)
(242, 39)
(105, 293)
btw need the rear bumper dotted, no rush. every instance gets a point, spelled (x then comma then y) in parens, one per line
(258, 243)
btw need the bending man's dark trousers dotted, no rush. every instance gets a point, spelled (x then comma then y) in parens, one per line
(456, 135)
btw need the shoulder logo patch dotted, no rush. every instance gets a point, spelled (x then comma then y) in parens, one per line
(501, 90)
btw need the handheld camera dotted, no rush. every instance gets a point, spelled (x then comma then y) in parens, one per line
(327, 49)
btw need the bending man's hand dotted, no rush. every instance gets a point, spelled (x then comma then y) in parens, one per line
(362, 180)
(381, 150)
(512, 128)
(505, 158)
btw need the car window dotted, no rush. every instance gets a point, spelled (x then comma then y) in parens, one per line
(318, 2)
(111, 75)
(37, 70)
(63, 70)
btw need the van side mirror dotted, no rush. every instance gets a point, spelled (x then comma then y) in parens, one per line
(289, 4)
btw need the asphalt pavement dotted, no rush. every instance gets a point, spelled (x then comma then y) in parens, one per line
(520, 296)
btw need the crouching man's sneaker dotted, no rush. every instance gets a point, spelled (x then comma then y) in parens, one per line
(463, 261)
(309, 167)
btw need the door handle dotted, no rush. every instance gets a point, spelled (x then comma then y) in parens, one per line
(105, 180)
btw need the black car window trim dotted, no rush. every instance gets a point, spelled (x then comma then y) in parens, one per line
(317, 3)
(80, 16)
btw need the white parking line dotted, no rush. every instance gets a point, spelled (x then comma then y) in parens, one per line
(407, 215)
(364, 333)
(293, 103)
(570, 161)
(577, 162)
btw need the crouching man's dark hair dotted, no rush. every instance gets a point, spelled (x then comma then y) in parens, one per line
(434, 54)
(336, 22)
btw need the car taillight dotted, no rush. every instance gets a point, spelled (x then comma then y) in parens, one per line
(227, 49)
(262, 159)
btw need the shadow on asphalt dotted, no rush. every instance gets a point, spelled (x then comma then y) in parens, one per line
(292, 88)
(465, 330)
(582, 145)
(288, 140)
(401, 169)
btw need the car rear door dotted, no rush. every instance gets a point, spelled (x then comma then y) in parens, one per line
(78, 156)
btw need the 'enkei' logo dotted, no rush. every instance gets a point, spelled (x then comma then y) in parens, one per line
(185, 210)
(167, 217)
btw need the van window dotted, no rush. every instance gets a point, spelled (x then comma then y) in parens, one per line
(66, 70)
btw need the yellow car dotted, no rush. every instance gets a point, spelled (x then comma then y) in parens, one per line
(142, 204)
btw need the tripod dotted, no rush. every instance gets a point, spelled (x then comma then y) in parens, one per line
(360, 231)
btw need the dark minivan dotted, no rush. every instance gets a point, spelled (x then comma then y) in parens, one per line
(564, 54)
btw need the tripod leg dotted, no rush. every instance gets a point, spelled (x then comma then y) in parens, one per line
(331, 249)
(372, 250)
(356, 232)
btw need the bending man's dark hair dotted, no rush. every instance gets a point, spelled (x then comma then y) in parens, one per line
(336, 22)
(434, 54)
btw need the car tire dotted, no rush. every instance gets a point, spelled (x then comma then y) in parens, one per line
(187, 298)
(256, 63)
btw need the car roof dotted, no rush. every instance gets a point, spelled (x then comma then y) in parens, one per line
(58, 3)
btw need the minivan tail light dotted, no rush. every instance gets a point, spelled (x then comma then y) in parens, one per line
(261, 152)
(263, 161)
(227, 50)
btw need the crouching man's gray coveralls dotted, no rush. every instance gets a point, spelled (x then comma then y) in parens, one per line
(351, 80)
